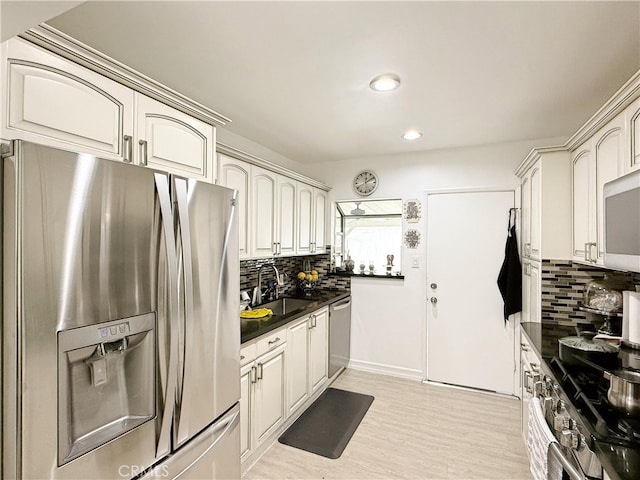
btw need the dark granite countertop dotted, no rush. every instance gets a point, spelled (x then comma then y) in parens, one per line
(254, 328)
(620, 463)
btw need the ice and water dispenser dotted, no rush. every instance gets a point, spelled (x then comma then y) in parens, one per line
(106, 382)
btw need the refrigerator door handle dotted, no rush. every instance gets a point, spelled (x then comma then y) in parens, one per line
(167, 360)
(180, 191)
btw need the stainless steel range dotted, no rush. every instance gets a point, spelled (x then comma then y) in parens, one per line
(576, 408)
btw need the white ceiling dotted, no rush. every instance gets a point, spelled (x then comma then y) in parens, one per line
(293, 76)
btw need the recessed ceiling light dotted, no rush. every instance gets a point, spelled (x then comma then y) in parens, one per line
(411, 135)
(385, 82)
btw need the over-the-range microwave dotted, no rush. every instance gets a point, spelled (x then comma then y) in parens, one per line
(622, 222)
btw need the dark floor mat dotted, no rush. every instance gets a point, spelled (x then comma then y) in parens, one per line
(326, 427)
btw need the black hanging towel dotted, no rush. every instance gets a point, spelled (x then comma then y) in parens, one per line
(510, 276)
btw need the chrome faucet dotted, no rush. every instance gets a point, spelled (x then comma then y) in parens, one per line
(278, 281)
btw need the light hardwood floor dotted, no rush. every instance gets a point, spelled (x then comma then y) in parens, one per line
(414, 431)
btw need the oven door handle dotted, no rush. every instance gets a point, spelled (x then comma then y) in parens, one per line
(573, 472)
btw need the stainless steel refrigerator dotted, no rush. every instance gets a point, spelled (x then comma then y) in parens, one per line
(120, 333)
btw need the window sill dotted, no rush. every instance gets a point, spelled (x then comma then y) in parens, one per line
(366, 275)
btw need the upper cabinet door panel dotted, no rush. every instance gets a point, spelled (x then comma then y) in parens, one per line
(320, 207)
(61, 109)
(609, 149)
(286, 216)
(58, 103)
(581, 204)
(263, 212)
(632, 121)
(305, 220)
(535, 211)
(175, 142)
(237, 175)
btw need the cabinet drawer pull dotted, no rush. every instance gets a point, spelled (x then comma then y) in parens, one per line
(259, 375)
(275, 340)
(252, 375)
(128, 146)
(143, 152)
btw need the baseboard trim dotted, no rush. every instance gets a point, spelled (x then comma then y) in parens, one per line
(471, 389)
(391, 370)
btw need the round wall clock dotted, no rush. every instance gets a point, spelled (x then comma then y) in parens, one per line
(365, 183)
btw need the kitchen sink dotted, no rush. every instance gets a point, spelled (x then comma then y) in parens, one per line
(284, 306)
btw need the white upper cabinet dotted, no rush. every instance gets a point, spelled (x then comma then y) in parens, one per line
(273, 213)
(56, 102)
(277, 215)
(545, 204)
(172, 141)
(526, 216)
(536, 207)
(305, 217)
(312, 208)
(264, 185)
(632, 123)
(236, 174)
(596, 162)
(320, 219)
(286, 216)
(582, 205)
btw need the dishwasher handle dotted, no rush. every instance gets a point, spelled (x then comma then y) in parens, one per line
(342, 305)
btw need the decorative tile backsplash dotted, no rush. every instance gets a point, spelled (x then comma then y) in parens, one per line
(563, 285)
(290, 266)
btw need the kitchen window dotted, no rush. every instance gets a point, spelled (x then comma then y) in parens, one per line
(369, 231)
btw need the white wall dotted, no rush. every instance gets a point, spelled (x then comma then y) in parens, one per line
(388, 316)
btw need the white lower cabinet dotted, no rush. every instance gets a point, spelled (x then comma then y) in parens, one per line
(281, 373)
(297, 364)
(529, 375)
(269, 392)
(246, 402)
(318, 349)
(262, 391)
(307, 358)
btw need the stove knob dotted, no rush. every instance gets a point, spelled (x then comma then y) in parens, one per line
(569, 439)
(559, 422)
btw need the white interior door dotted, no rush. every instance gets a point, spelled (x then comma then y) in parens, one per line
(468, 342)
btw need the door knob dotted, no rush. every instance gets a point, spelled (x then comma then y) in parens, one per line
(433, 300)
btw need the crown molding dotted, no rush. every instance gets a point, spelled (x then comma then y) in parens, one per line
(534, 155)
(225, 149)
(67, 47)
(616, 104)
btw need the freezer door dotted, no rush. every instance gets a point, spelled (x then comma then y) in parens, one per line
(209, 346)
(80, 248)
(214, 454)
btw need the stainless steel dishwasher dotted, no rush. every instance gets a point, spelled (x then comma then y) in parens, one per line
(339, 335)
